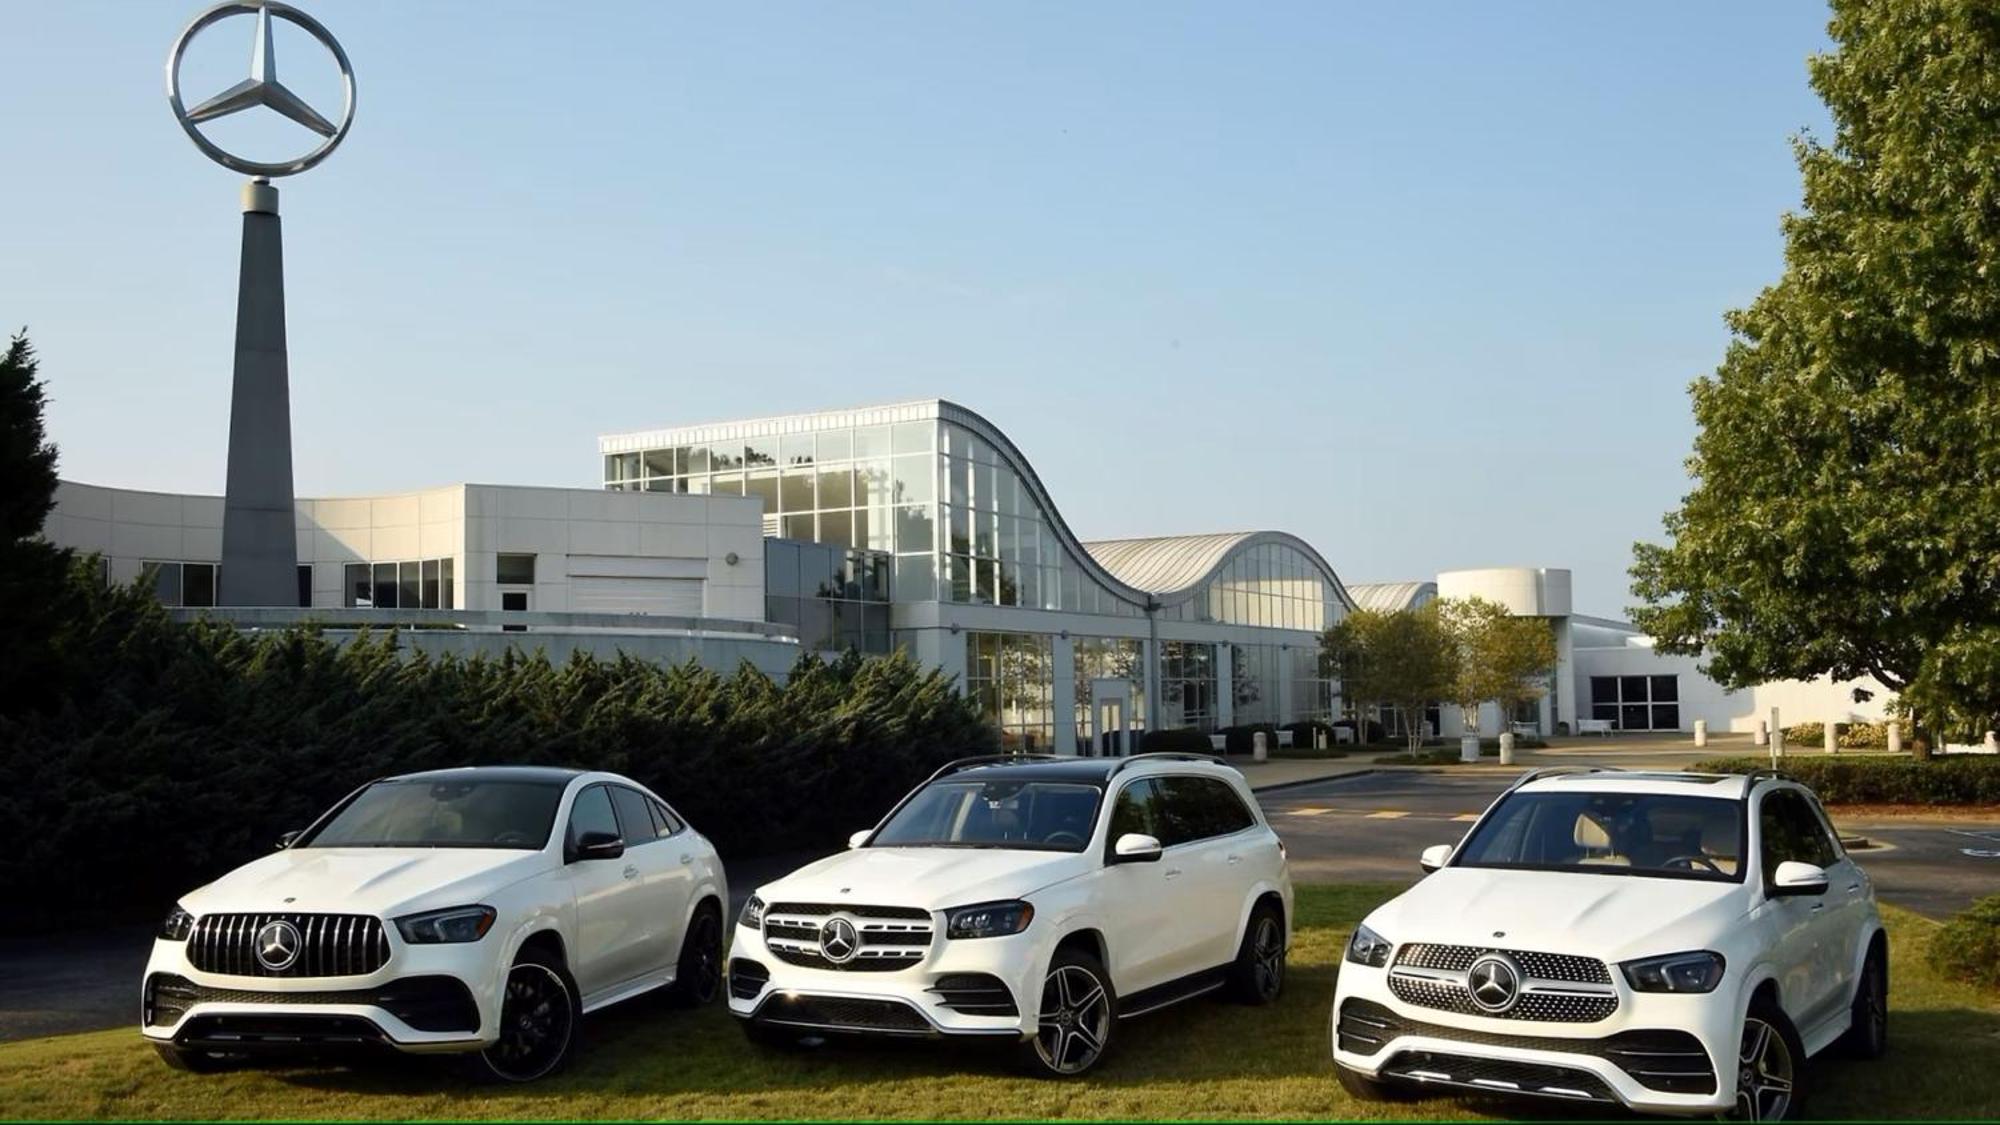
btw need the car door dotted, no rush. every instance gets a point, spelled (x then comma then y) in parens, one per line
(1211, 822)
(1848, 895)
(664, 881)
(609, 910)
(1141, 904)
(1801, 952)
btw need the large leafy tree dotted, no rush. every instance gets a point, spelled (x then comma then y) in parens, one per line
(1845, 516)
(1403, 658)
(34, 586)
(1501, 659)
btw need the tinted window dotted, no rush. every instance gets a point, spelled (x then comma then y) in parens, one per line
(1652, 834)
(635, 816)
(419, 813)
(1039, 815)
(1134, 811)
(1791, 832)
(592, 813)
(1197, 808)
(666, 820)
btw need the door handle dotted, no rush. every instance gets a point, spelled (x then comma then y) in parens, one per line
(1818, 906)
(1236, 859)
(631, 872)
(1854, 888)
(687, 859)
(1173, 872)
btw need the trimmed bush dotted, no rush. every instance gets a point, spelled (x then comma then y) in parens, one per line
(1964, 779)
(1306, 732)
(1242, 739)
(1967, 948)
(1183, 740)
(185, 750)
(1851, 736)
(1375, 732)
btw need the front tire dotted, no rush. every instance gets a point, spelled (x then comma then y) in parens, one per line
(1770, 1065)
(698, 977)
(1078, 1013)
(1868, 1027)
(539, 1018)
(1258, 975)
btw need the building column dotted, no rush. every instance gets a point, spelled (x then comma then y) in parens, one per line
(1282, 714)
(1225, 685)
(1062, 693)
(1149, 656)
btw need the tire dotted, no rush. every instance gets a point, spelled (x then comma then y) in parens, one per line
(1771, 1066)
(1258, 976)
(1367, 1089)
(698, 977)
(1078, 1012)
(192, 1061)
(540, 1019)
(1867, 1034)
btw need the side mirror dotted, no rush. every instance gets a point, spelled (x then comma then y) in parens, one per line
(285, 841)
(1136, 847)
(1434, 857)
(860, 838)
(600, 845)
(1795, 878)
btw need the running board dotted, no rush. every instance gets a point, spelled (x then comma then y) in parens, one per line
(1173, 992)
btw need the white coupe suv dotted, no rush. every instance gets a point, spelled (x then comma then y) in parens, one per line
(478, 910)
(1038, 900)
(1676, 942)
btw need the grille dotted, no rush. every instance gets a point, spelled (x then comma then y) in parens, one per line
(747, 978)
(433, 1003)
(892, 937)
(975, 994)
(332, 945)
(1660, 1059)
(1500, 1076)
(1542, 966)
(844, 1013)
(1450, 996)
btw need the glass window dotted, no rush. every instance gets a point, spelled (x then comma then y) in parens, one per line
(764, 486)
(385, 586)
(912, 437)
(592, 813)
(432, 591)
(725, 456)
(1634, 716)
(635, 816)
(697, 459)
(797, 525)
(916, 579)
(961, 578)
(1604, 689)
(1653, 834)
(198, 584)
(983, 543)
(836, 487)
(958, 478)
(982, 582)
(515, 570)
(914, 479)
(796, 449)
(666, 820)
(915, 530)
(1666, 689)
(795, 491)
(836, 529)
(431, 813)
(1666, 716)
(410, 585)
(982, 487)
(449, 595)
(871, 441)
(1791, 832)
(1134, 811)
(658, 462)
(729, 484)
(355, 586)
(1031, 815)
(1197, 808)
(836, 445)
(305, 585)
(760, 452)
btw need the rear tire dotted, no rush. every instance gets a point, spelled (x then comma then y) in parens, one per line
(1364, 1088)
(193, 1061)
(540, 1017)
(1078, 1016)
(1258, 976)
(698, 977)
(1867, 1034)
(1771, 1066)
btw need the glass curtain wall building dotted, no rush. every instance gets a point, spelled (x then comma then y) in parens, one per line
(1060, 640)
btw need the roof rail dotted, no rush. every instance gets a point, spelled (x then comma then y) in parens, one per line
(1553, 771)
(1764, 773)
(957, 764)
(1163, 756)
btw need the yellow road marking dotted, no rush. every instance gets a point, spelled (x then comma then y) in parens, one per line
(1386, 815)
(1308, 812)
(1465, 818)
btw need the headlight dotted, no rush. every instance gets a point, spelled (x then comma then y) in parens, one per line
(753, 914)
(1368, 948)
(1699, 971)
(436, 927)
(178, 925)
(988, 919)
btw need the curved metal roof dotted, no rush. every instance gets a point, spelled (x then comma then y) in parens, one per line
(1163, 564)
(1392, 596)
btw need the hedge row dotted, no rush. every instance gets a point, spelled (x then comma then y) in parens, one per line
(1962, 779)
(187, 750)
(1851, 736)
(1967, 948)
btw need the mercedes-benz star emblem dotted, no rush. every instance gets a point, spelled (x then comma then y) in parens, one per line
(262, 88)
(839, 941)
(278, 945)
(1494, 981)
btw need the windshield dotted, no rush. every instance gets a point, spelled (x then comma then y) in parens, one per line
(1655, 834)
(423, 813)
(1039, 815)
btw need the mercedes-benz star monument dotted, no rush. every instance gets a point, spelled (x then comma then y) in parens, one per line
(259, 544)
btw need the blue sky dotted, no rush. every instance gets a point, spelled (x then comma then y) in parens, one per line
(1423, 283)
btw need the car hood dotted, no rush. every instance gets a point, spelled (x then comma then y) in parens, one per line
(380, 881)
(1613, 917)
(927, 878)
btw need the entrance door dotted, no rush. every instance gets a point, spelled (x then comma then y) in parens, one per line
(515, 601)
(1110, 703)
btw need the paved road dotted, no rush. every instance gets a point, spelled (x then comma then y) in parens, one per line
(1370, 828)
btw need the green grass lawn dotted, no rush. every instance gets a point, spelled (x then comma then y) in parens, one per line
(1202, 1060)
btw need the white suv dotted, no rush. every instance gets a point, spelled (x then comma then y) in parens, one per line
(472, 910)
(1038, 900)
(1675, 942)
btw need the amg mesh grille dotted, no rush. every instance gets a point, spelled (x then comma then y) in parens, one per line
(330, 945)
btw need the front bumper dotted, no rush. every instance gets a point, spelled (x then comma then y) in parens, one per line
(423, 999)
(988, 987)
(1672, 1054)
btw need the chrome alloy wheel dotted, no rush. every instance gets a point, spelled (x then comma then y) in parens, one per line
(1764, 1073)
(1075, 1020)
(537, 1019)
(1267, 950)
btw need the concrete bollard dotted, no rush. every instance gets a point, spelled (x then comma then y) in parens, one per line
(1506, 747)
(1993, 742)
(1763, 735)
(1700, 732)
(1468, 748)
(1833, 738)
(1259, 752)
(1777, 742)
(1895, 737)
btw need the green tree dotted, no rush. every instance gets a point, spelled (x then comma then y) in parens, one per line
(1500, 658)
(1845, 514)
(34, 576)
(1402, 658)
